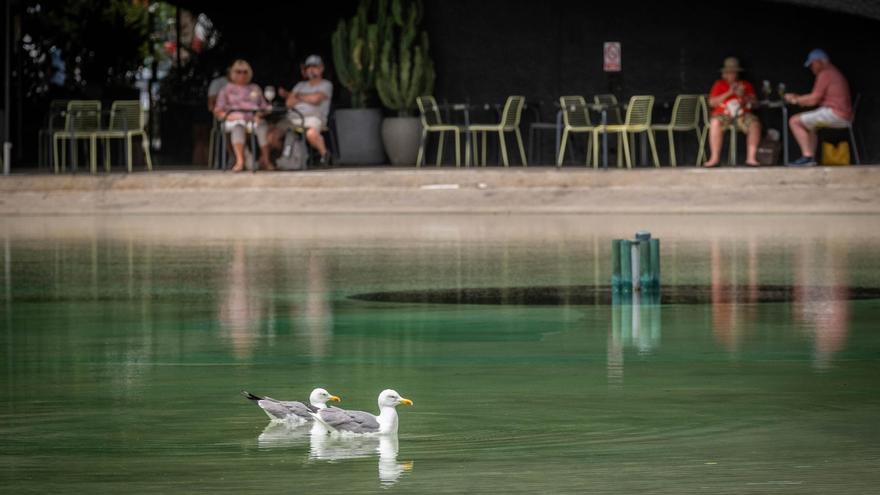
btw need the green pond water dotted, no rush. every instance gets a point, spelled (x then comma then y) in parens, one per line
(126, 342)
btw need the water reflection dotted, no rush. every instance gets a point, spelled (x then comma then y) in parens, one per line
(635, 322)
(325, 447)
(824, 309)
(240, 308)
(819, 297)
(280, 434)
(315, 315)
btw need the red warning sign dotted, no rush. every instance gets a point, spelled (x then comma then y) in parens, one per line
(611, 53)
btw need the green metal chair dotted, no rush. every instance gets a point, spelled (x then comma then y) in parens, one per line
(127, 120)
(431, 122)
(510, 117)
(575, 119)
(82, 121)
(638, 120)
(707, 122)
(685, 118)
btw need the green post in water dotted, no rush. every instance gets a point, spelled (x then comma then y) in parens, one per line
(615, 263)
(655, 263)
(625, 266)
(645, 265)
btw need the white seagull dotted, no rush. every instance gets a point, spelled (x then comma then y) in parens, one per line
(336, 420)
(295, 410)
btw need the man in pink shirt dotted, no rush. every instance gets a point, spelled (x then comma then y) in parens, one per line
(831, 94)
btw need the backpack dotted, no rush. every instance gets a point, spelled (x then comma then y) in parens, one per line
(294, 153)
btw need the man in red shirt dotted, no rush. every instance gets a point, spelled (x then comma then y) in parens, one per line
(731, 100)
(831, 93)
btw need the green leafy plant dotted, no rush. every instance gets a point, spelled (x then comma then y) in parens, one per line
(356, 49)
(406, 70)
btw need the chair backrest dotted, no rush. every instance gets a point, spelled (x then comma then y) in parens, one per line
(574, 111)
(610, 101)
(704, 109)
(127, 115)
(83, 116)
(638, 113)
(686, 111)
(429, 110)
(512, 111)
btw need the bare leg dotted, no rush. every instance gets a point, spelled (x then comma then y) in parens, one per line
(752, 140)
(238, 149)
(716, 135)
(805, 138)
(313, 136)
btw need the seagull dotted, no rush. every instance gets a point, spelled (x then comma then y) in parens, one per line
(337, 420)
(298, 411)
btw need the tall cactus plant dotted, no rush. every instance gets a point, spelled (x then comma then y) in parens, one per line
(405, 67)
(356, 50)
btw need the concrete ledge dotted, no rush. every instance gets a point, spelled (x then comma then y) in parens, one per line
(428, 190)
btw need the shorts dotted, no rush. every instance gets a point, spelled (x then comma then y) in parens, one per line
(294, 121)
(822, 117)
(743, 120)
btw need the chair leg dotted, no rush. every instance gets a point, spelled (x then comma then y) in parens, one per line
(699, 145)
(130, 156)
(522, 151)
(619, 149)
(485, 146)
(732, 153)
(55, 153)
(625, 136)
(456, 133)
(672, 158)
(589, 150)
(702, 153)
(502, 143)
(595, 149)
(93, 152)
(422, 142)
(560, 154)
(855, 146)
(145, 144)
(440, 148)
(653, 145)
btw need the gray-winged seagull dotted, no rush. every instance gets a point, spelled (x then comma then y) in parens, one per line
(335, 419)
(279, 410)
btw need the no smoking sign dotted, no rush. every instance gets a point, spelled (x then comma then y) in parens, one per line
(611, 52)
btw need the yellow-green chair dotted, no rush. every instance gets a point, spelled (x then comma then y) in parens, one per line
(638, 120)
(127, 120)
(685, 118)
(509, 123)
(82, 121)
(707, 122)
(575, 119)
(431, 122)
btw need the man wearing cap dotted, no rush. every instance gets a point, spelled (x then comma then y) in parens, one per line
(731, 100)
(311, 98)
(831, 94)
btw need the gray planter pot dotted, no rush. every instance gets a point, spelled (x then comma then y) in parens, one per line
(401, 138)
(358, 132)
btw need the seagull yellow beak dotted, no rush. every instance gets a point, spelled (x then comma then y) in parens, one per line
(406, 402)
(334, 398)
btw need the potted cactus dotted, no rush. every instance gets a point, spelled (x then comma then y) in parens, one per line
(355, 57)
(405, 72)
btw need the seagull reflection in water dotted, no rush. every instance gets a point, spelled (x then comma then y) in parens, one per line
(333, 448)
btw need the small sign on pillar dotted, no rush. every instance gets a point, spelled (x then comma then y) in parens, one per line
(611, 56)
